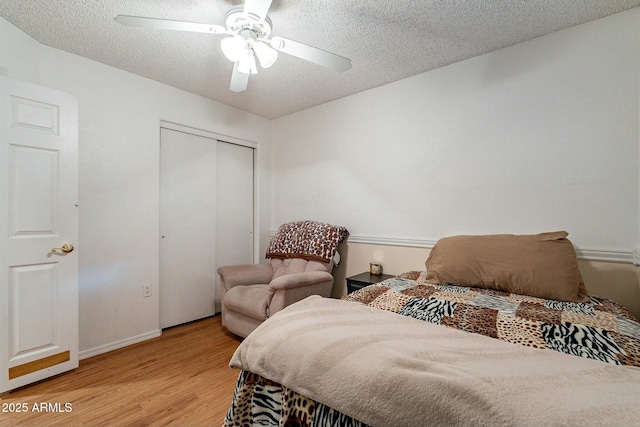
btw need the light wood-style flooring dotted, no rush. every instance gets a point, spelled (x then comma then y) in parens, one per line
(181, 378)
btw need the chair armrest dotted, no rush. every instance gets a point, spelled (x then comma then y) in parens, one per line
(245, 274)
(298, 280)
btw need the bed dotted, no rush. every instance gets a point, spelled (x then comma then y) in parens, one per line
(452, 345)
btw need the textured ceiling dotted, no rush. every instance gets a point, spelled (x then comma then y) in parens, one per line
(387, 40)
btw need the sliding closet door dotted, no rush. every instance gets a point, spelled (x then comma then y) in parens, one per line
(206, 220)
(187, 227)
(234, 231)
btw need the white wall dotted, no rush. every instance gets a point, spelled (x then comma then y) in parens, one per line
(535, 137)
(19, 53)
(119, 128)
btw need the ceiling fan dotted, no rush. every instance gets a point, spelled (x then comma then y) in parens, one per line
(250, 31)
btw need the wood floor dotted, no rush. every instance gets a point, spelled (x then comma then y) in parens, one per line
(181, 378)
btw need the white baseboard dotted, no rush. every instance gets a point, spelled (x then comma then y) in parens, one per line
(83, 354)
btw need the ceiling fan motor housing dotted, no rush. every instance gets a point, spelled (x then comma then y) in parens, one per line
(238, 22)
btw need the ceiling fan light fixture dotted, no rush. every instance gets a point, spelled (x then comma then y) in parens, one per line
(234, 48)
(267, 56)
(247, 65)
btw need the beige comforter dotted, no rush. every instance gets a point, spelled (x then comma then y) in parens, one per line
(389, 370)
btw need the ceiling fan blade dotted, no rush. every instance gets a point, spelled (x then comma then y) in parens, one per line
(311, 54)
(259, 8)
(239, 81)
(167, 24)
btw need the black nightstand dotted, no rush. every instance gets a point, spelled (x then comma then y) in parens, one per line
(359, 281)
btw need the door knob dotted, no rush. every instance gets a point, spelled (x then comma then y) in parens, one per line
(66, 248)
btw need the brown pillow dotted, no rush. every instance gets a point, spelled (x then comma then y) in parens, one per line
(541, 265)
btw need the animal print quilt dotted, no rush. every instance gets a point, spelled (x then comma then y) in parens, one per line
(599, 329)
(258, 401)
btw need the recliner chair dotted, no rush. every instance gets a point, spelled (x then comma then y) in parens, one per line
(301, 259)
(251, 293)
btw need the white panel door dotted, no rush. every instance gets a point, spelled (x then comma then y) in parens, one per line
(234, 205)
(187, 227)
(38, 189)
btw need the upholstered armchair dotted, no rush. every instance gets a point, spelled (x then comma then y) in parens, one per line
(301, 256)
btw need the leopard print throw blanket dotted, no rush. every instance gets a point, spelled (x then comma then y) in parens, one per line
(307, 239)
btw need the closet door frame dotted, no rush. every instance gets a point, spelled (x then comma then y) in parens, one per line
(256, 171)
